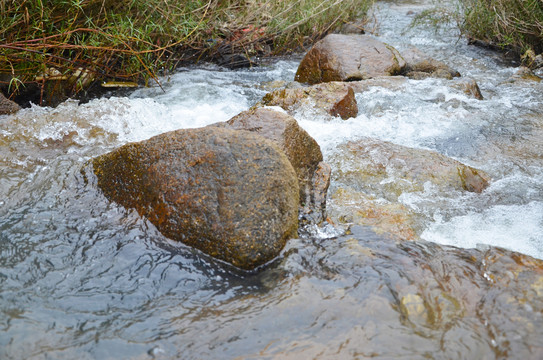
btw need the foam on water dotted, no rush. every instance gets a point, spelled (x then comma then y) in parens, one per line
(500, 135)
(514, 227)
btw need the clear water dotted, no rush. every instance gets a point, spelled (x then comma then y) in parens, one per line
(81, 277)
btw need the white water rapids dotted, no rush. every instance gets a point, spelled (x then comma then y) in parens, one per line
(501, 135)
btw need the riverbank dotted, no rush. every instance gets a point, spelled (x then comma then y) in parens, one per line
(514, 27)
(66, 47)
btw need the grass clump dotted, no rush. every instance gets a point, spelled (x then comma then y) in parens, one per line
(133, 40)
(508, 24)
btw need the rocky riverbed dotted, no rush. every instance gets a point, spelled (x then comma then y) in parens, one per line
(376, 276)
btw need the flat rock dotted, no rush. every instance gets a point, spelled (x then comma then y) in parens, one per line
(349, 206)
(386, 170)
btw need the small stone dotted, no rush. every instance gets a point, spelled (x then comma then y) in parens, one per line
(7, 106)
(333, 98)
(469, 87)
(413, 306)
(419, 66)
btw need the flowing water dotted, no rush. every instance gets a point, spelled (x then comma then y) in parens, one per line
(81, 277)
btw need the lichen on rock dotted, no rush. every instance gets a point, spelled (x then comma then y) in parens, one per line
(231, 194)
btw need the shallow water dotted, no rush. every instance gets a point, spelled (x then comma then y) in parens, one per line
(82, 277)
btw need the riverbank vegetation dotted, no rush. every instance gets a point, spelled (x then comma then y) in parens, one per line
(515, 26)
(134, 40)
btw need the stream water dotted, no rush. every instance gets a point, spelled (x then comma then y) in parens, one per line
(81, 277)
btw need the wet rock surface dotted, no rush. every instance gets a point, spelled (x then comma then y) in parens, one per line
(387, 170)
(232, 194)
(301, 149)
(349, 206)
(333, 98)
(370, 176)
(420, 66)
(348, 58)
(7, 106)
(468, 87)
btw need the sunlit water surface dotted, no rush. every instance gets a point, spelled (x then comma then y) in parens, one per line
(81, 277)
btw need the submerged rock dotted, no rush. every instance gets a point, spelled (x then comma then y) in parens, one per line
(468, 87)
(334, 98)
(348, 206)
(387, 170)
(419, 66)
(301, 149)
(370, 176)
(232, 194)
(524, 74)
(7, 106)
(348, 58)
(392, 83)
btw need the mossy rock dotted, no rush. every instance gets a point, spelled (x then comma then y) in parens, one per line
(232, 194)
(302, 150)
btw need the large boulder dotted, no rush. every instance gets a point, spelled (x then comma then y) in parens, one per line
(7, 106)
(333, 98)
(232, 194)
(387, 170)
(302, 150)
(348, 58)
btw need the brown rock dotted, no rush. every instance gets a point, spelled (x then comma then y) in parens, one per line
(356, 27)
(387, 170)
(469, 87)
(231, 194)
(419, 66)
(348, 58)
(316, 204)
(302, 150)
(334, 98)
(524, 73)
(7, 106)
(347, 205)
